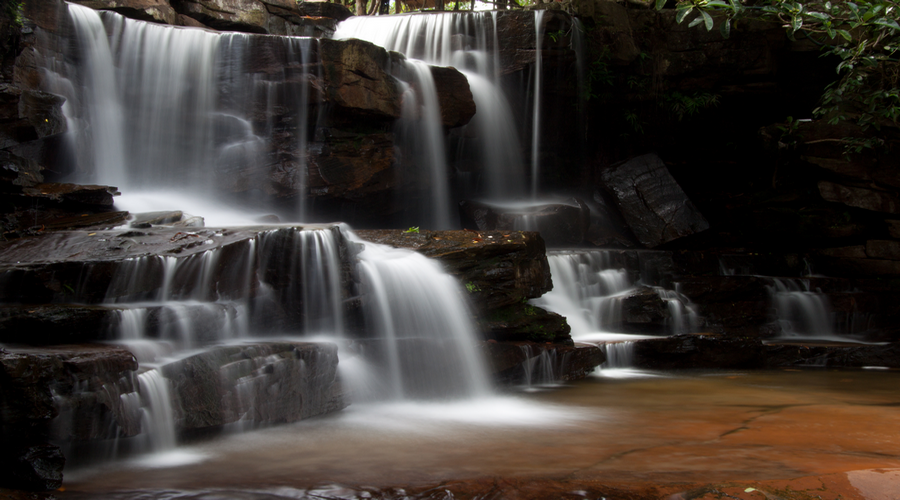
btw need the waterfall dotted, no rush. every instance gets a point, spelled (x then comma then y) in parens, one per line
(536, 112)
(587, 290)
(173, 111)
(801, 312)
(469, 42)
(426, 336)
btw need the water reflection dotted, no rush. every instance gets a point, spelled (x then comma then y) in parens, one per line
(663, 427)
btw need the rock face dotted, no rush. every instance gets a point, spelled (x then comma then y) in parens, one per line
(500, 271)
(653, 204)
(69, 393)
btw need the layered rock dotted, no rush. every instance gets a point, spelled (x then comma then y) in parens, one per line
(70, 393)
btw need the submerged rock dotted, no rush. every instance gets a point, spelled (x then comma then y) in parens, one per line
(519, 362)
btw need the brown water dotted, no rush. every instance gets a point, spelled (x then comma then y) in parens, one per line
(679, 428)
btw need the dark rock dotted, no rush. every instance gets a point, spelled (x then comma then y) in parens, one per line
(454, 96)
(731, 305)
(643, 311)
(322, 9)
(260, 383)
(74, 193)
(653, 204)
(27, 115)
(883, 249)
(17, 172)
(699, 351)
(249, 16)
(78, 388)
(55, 324)
(859, 356)
(35, 468)
(525, 322)
(157, 11)
(355, 79)
(560, 224)
(869, 199)
(567, 362)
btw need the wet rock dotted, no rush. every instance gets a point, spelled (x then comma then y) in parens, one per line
(248, 16)
(27, 115)
(560, 224)
(731, 305)
(88, 267)
(74, 193)
(653, 204)
(869, 199)
(643, 311)
(508, 360)
(157, 218)
(157, 11)
(77, 389)
(17, 173)
(355, 78)
(503, 268)
(261, 383)
(887, 356)
(883, 249)
(55, 323)
(321, 9)
(34, 468)
(499, 270)
(454, 96)
(699, 351)
(525, 322)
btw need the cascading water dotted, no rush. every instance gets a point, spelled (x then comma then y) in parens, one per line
(167, 113)
(423, 326)
(536, 111)
(801, 312)
(467, 41)
(587, 291)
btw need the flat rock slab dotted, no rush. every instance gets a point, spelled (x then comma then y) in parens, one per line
(652, 202)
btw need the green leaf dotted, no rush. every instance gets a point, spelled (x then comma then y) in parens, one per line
(818, 15)
(829, 30)
(717, 3)
(890, 23)
(660, 4)
(796, 23)
(845, 34)
(683, 12)
(697, 20)
(707, 20)
(725, 29)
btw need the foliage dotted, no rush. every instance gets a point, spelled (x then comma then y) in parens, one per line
(472, 287)
(864, 36)
(414, 229)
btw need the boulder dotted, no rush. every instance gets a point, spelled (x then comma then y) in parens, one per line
(156, 11)
(262, 383)
(560, 224)
(454, 96)
(652, 202)
(699, 351)
(355, 79)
